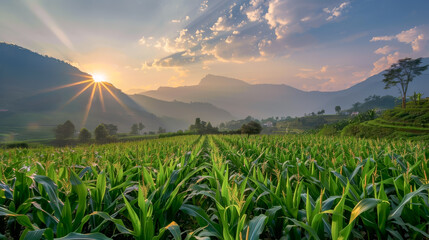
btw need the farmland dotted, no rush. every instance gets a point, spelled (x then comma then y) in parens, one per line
(218, 187)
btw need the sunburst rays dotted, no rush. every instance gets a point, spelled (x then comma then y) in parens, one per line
(101, 86)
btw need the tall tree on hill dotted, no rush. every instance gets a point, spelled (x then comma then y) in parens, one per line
(402, 73)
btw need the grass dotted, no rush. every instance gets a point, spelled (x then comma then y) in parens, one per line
(218, 186)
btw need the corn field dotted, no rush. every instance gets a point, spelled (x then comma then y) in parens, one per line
(218, 187)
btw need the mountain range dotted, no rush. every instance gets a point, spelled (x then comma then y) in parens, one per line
(39, 92)
(264, 100)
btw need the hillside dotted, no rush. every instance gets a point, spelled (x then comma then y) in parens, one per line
(34, 99)
(263, 100)
(410, 122)
(185, 113)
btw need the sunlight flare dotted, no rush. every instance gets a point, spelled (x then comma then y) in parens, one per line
(101, 97)
(67, 85)
(77, 95)
(116, 98)
(88, 107)
(99, 78)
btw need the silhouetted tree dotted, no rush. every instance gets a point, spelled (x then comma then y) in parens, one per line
(321, 112)
(141, 127)
(161, 130)
(134, 129)
(356, 106)
(338, 109)
(64, 131)
(252, 127)
(111, 129)
(402, 73)
(84, 135)
(101, 133)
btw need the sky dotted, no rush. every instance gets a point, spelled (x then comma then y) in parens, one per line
(140, 45)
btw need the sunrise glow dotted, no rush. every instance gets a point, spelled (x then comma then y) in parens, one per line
(99, 77)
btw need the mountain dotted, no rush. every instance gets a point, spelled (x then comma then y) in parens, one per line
(39, 92)
(263, 100)
(184, 113)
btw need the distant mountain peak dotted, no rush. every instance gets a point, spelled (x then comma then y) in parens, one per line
(219, 81)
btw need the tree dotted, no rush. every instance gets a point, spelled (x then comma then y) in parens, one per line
(321, 112)
(338, 109)
(64, 131)
(111, 129)
(161, 130)
(402, 73)
(84, 135)
(141, 127)
(356, 106)
(134, 129)
(101, 133)
(252, 127)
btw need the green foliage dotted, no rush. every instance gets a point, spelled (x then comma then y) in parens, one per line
(252, 127)
(111, 129)
(101, 133)
(403, 72)
(64, 131)
(84, 135)
(218, 187)
(338, 109)
(412, 122)
(202, 127)
(134, 129)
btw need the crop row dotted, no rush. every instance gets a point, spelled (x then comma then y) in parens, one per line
(219, 187)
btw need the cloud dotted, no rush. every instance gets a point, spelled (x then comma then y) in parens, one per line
(186, 18)
(417, 37)
(382, 38)
(234, 49)
(330, 78)
(385, 62)
(336, 11)
(292, 16)
(384, 50)
(248, 30)
(204, 5)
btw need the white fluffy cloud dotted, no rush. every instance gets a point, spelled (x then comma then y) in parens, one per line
(417, 37)
(336, 11)
(294, 16)
(250, 30)
(384, 50)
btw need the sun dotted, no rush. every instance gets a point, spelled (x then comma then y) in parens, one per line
(99, 78)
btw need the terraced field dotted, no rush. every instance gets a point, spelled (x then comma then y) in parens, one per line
(218, 187)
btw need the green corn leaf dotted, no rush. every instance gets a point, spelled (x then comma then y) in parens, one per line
(38, 234)
(22, 219)
(175, 230)
(255, 227)
(396, 213)
(337, 216)
(80, 189)
(51, 189)
(80, 236)
(362, 206)
(203, 219)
